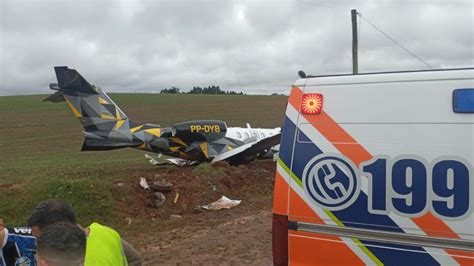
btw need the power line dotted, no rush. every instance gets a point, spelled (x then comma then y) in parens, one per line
(394, 41)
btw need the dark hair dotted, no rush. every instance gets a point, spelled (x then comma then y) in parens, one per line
(51, 211)
(62, 244)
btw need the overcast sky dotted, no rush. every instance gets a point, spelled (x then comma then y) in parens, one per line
(253, 46)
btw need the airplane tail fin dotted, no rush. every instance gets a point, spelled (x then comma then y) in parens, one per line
(105, 125)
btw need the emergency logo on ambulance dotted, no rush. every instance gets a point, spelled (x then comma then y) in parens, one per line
(406, 185)
(331, 181)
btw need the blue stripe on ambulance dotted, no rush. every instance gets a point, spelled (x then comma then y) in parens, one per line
(390, 255)
(287, 138)
(357, 213)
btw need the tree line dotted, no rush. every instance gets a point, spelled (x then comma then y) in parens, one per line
(201, 90)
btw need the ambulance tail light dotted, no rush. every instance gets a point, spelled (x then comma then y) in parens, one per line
(280, 239)
(312, 103)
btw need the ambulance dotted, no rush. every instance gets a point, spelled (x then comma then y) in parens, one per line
(377, 169)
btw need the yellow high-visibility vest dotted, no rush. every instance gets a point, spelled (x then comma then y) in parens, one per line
(104, 247)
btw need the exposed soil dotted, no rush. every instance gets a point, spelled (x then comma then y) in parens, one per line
(182, 232)
(237, 236)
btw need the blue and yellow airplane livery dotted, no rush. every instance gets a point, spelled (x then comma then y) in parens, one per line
(107, 127)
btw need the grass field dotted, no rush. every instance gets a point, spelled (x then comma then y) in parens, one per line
(40, 145)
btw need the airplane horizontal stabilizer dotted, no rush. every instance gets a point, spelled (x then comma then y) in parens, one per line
(103, 145)
(57, 97)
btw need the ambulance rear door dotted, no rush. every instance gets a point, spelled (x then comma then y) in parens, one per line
(382, 169)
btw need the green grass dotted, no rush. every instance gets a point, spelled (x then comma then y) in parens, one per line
(40, 145)
(207, 171)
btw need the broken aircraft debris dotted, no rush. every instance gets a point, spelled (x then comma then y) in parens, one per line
(222, 203)
(106, 127)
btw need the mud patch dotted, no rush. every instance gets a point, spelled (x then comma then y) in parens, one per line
(241, 235)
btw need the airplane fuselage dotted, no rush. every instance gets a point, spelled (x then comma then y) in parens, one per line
(201, 147)
(107, 127)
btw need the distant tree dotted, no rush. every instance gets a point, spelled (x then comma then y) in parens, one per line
(196, 90)
(212, 89)
(172, 90)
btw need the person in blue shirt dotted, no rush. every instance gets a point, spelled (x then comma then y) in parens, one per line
(18, 246)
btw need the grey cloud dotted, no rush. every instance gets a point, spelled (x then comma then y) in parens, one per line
(256, 46)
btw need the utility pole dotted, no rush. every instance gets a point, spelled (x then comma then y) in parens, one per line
(355, 59)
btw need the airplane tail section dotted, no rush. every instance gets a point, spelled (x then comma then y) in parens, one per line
(105, 125)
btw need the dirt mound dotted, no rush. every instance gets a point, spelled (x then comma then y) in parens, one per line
(178, 233)
(197, 186)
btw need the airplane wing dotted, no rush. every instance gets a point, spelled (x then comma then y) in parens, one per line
(248, 150)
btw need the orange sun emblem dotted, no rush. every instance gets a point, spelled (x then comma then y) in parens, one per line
(312, 103)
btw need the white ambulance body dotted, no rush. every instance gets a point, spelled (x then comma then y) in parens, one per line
(377, 169)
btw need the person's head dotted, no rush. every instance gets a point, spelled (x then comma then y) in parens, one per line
(49, 212)
(61, 244)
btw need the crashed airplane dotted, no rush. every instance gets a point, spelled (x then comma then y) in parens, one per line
(106, 127)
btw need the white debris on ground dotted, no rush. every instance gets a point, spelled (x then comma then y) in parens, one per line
(172, 161)
(222, 203)
(152, 160)
(144, 184)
